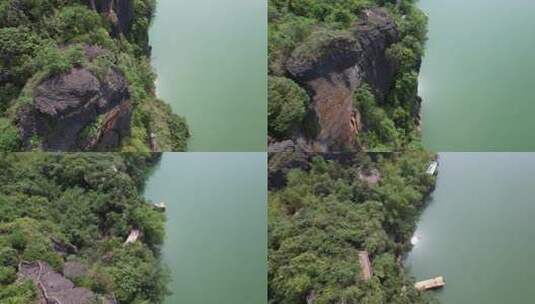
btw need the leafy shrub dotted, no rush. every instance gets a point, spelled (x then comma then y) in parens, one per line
(77, 23)
(92, 201)
(18, 293)
(340, 16)
(287, 103)
(284, 36)
(380, 131)
(52, 60)
(8, 257)
(140, 76)
(18, 46)
(9, 136)
(7, 275)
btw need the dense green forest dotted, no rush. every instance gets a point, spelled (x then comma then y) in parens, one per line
(324, 209)
(87, 203)
(41, 39)
(302, 29)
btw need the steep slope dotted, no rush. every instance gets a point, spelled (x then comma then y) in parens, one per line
(343, 64)
(344, 79)
(78, 78)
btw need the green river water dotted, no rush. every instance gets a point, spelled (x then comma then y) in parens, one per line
(478, 75)
(478, 229)
(216, 239)
(210, 57)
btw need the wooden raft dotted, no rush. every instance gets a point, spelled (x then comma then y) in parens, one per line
(430, 284)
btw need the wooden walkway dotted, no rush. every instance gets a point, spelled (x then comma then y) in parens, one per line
(437, 282)
(133, 236)
(432, 169)
(366, 270)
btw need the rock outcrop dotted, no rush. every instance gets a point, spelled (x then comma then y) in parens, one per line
(77, 110)
(331, 75)
(52, 287)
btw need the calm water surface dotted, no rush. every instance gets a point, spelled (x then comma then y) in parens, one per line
(478, 75)
(210, 56)
(478, 231)
(216, 239)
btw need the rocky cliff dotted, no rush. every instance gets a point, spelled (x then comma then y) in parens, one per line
(339, 64)
(77, 110)
(118, 12)
(53, 288)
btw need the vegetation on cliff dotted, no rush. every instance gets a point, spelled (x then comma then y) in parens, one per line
(325, 208)
(311, 29)
(59, 208)
(44, 39)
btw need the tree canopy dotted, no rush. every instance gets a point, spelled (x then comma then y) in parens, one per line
(88, 203)
(328, 209)
(287, 103)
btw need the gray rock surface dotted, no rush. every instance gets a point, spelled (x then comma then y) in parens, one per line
(52, 287)
(342, 65)
(65, 107)
(74, 270)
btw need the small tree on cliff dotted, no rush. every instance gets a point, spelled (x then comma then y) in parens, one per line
(287, 104)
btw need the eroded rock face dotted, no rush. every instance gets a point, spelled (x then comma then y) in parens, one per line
(52, 287)
(77, 111)
(74, 270)
(343, 65)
